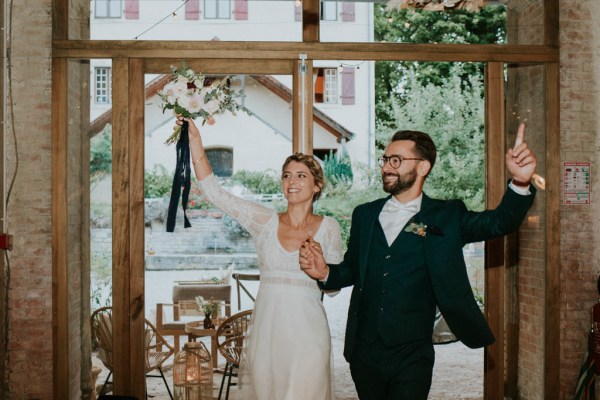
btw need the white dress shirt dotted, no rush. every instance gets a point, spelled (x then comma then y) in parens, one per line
(394, 215)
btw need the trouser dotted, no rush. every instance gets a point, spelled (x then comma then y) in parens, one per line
(401, 372)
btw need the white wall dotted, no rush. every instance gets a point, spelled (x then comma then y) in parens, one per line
(268, 21)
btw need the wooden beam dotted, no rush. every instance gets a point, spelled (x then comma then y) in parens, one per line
(314, 51)
(551, 23)
(121, 230)
(60, 278)
(494, 254)
(310, 21)
(553, 267)
(60, 19)
(270, 67)
(302, 108)
(136, 229)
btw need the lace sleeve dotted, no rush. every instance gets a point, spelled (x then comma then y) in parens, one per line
(251, 215)
(332, 246)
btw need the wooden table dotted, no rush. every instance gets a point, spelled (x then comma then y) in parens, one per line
(195, 330)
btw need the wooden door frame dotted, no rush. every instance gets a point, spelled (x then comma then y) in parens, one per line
(131, 59)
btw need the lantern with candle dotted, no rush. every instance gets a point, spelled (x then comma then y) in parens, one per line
(192, 373)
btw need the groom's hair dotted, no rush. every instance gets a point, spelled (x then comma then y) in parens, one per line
(424, 146)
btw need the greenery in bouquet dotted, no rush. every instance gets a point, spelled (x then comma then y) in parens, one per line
(208, 307)
(193, 95)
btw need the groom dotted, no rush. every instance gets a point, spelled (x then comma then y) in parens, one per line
(405, 257)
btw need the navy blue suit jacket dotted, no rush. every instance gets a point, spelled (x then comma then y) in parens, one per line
(450, 227)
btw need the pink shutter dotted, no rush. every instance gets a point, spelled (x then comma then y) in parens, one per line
(240, 10)
(297, 11)
(132, 9)
(192, 9)
(348, 86)
(348, 11)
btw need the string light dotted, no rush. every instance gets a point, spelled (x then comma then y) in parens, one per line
(298, 3)
(342, 65)
(172, 14)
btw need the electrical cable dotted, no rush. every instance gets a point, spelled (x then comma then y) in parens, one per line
(172, 13)
(7, 198)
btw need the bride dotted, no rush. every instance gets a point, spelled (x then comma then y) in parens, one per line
(287, 353)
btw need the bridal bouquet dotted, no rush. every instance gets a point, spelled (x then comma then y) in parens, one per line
(193, 95)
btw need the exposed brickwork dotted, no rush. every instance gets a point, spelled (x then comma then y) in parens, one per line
(30, 327)
(29, 212)
(580, 72)
(580, 62)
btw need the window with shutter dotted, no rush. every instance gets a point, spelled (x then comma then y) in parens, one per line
(217, 9)
(326, 85)
(329, 11)
(348, 86)
(348, 11)
(132, 9)
(102, 85)
(192, 9)
(108, 9)
(241, 10)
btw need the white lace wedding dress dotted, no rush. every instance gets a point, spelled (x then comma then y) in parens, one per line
(288, 348)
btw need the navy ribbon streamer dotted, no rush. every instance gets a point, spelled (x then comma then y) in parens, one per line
(181, 179)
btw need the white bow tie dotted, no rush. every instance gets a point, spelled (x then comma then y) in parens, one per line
(394, 207)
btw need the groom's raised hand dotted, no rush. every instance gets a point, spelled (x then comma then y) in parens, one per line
(312, 261)
(520, 160)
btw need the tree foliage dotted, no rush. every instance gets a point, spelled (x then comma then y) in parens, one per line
(453, 114)
(418, 26)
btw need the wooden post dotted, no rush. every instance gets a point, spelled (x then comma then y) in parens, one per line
(494, 254)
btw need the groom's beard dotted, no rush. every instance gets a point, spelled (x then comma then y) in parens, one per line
(402, 184)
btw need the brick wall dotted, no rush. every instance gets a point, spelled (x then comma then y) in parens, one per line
(29, 210)
(580, 73)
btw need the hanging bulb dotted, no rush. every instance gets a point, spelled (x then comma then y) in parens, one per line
(298, 3)
(341, 68)
(390, 20)
(174, 15)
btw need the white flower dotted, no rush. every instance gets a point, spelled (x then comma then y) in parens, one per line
(195, 102)
(212, 106)
(187, 95)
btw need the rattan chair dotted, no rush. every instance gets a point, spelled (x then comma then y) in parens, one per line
(239, 282)
(230, 337)
(101, 325)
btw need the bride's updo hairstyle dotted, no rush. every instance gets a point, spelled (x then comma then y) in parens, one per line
(313, 166)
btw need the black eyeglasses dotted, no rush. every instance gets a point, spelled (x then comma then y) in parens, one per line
(395, 161)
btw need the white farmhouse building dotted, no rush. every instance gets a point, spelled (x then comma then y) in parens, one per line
(343, 90)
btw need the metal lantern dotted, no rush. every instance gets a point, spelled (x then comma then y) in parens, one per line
(192, 373)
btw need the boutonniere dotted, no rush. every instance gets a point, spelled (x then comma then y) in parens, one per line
(419, 228)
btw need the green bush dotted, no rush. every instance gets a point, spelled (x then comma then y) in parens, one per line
(259, 182)
(157, 182)
(337, 167)
(101, 154)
